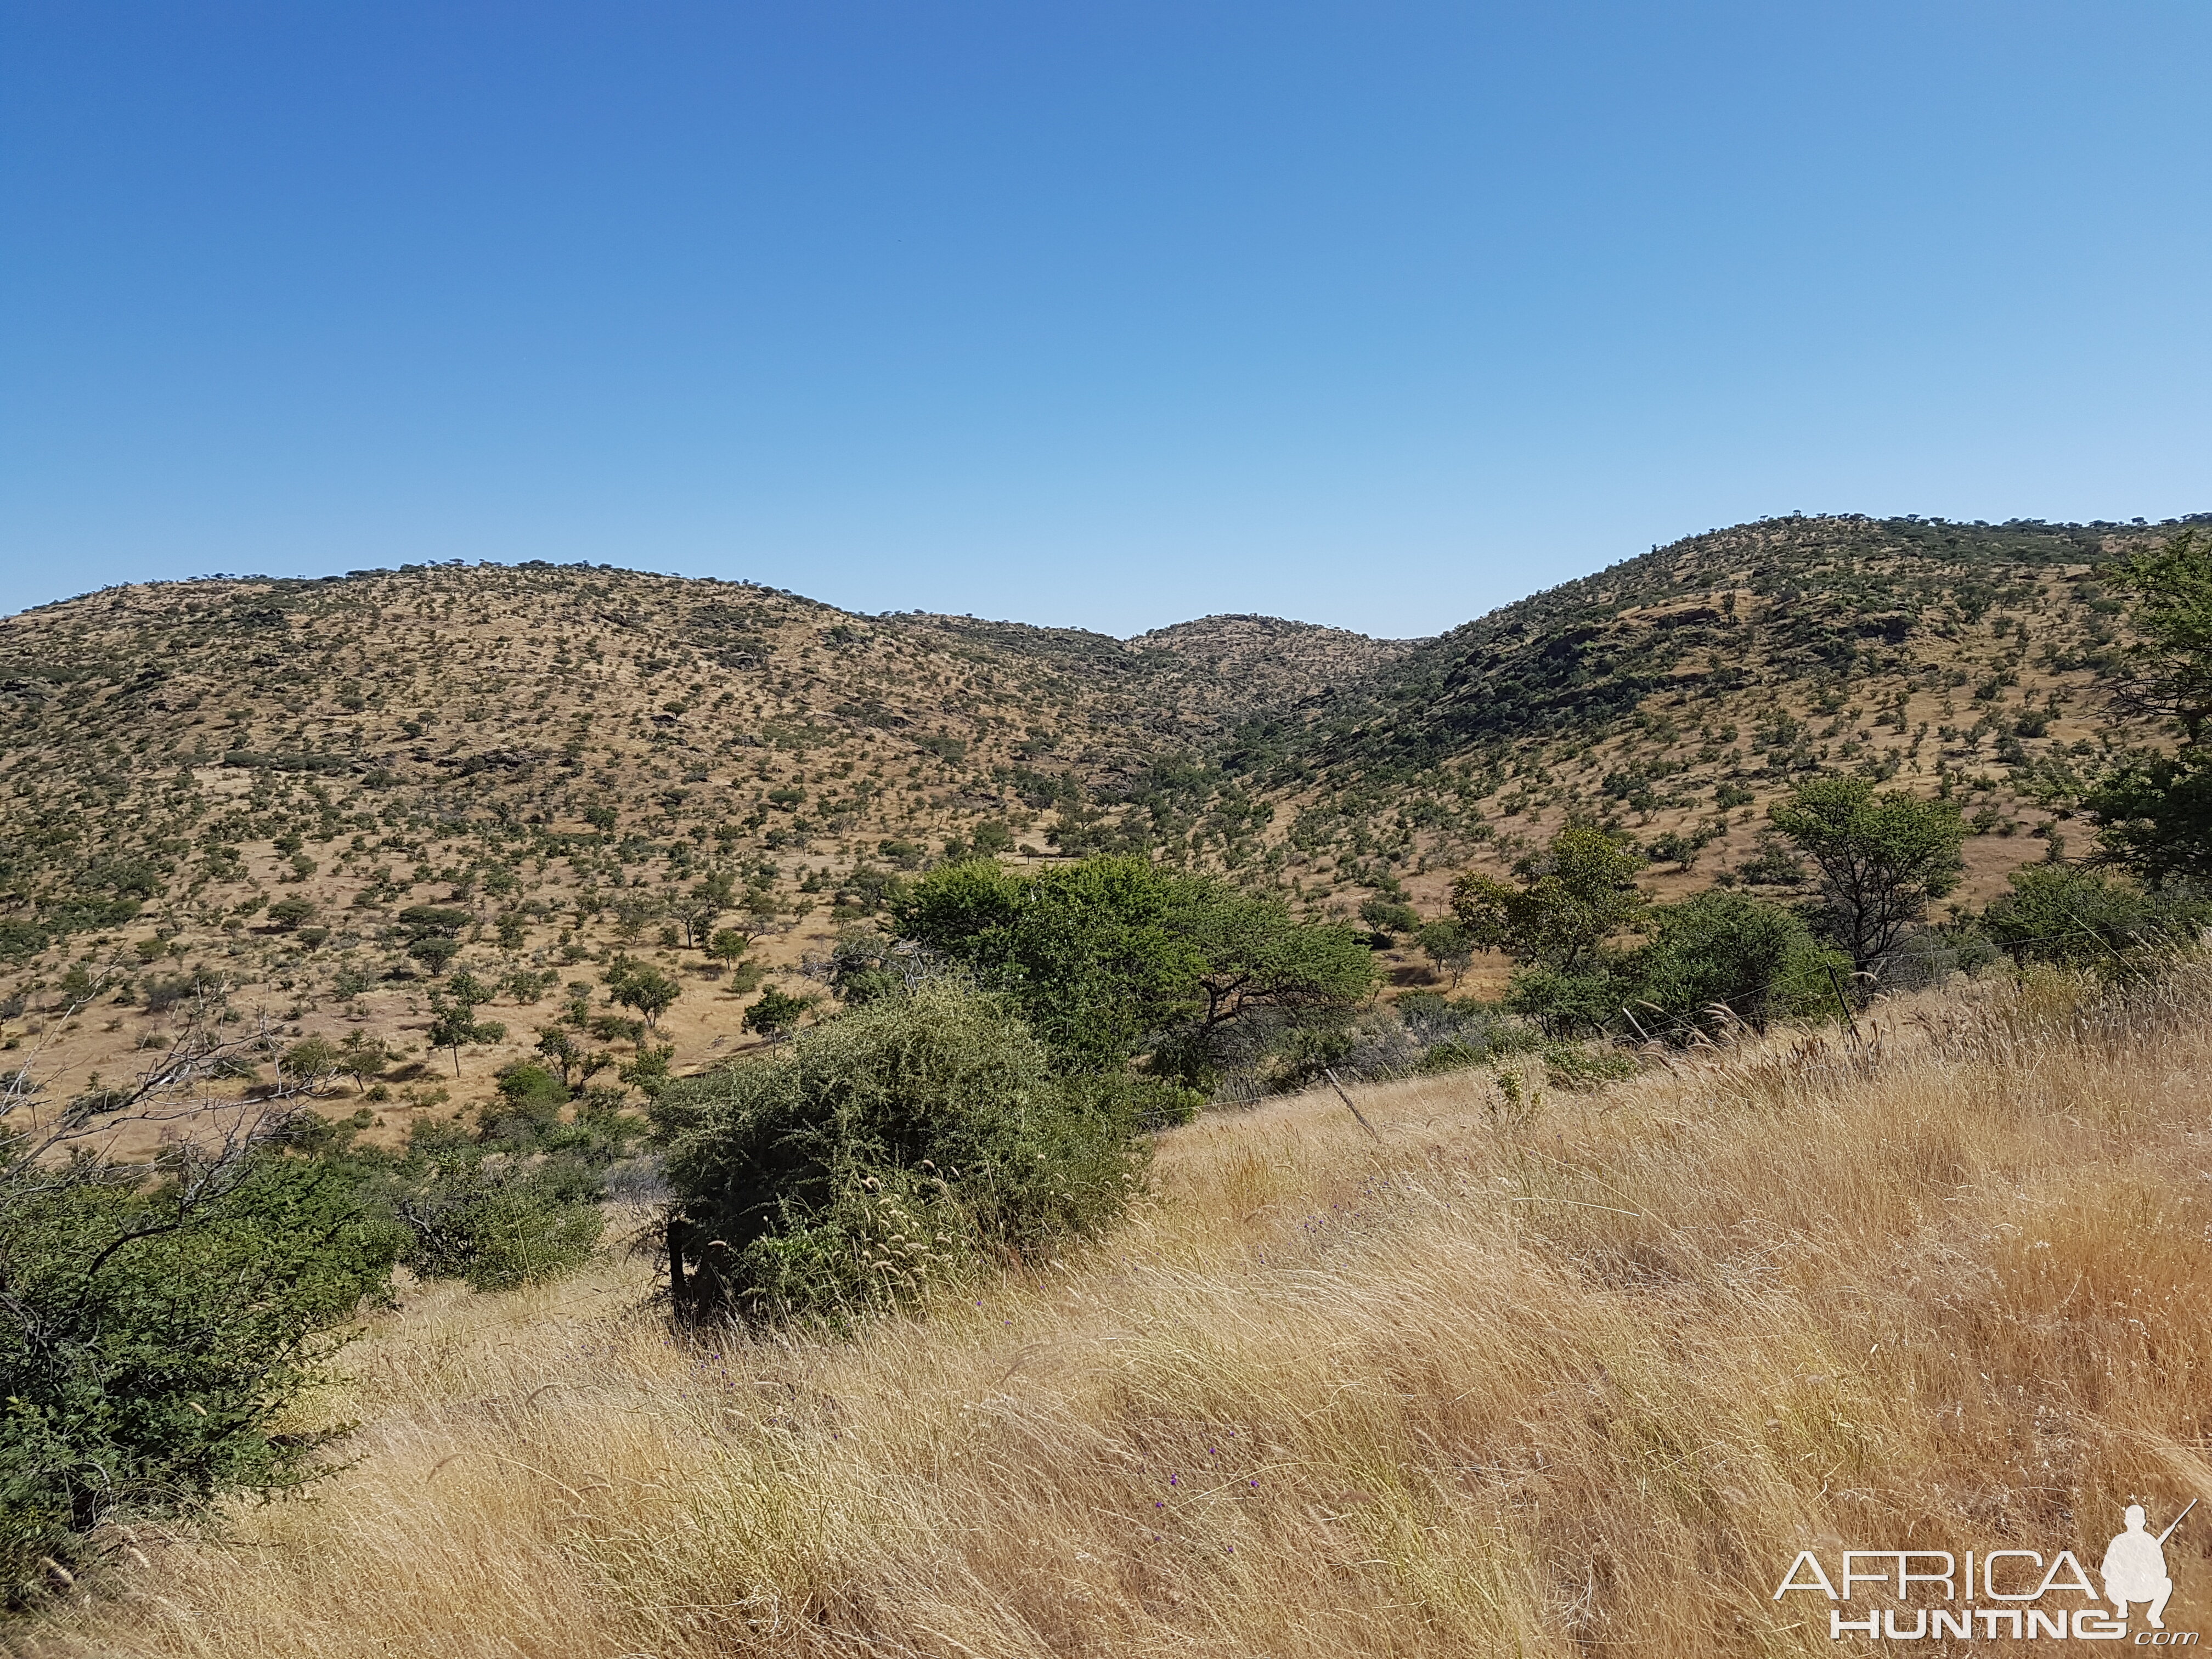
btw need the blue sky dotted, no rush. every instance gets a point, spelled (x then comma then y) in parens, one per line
(1376, 315)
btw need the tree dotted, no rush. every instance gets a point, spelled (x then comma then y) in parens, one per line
(2090, 918)
(576, 1064)
(698, 911)
(1727, 950)
(1574, 899)
(2170, 665)
(309, 1061)
(455, 1023)
(1447, 945)
(776, 1012)
(291, 911)
(641, 985)
(158, 1323)
(2154, 810)
(433, 933)
(1388, 916)
(1881, 855)
(1114, 955)
(728, 947)
(362, 1056)
(900, 1145)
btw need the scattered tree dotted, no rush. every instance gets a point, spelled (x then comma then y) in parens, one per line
(1575, 897)
(1882, 855)
(776, 1012)
(642, 987)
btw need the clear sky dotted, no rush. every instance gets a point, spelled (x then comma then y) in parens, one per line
(1370, 313)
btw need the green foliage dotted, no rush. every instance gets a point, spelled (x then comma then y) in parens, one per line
(290, 912)
(1111, 957)
(2094, 919)
(902, 1145)
(2154, 814)
(1389, 915)
(2154, 810)
(2169, 669)
(776, 1011)
(156, 1325)
(515, 1203)
(1716, 951)
(431, 933)
(311, 1061)
(575, 1064)
(362, 1056)
(641, 985)
(1723, 949)
(454, 1025)
(1573, 900)
(1882, 855)
(1447, 944)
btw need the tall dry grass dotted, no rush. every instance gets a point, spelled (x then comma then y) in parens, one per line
(1584, 1385)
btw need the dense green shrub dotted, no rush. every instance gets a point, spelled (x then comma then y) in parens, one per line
(1114, 957)
(903, 1144)
(2087, 918)
(517, 1201)
(155, 1324)
(1717, 949)
(1720, 949)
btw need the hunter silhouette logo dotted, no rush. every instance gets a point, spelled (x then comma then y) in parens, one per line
(2135, 1566)
(2003, 1594)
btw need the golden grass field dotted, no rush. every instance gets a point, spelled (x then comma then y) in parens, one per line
(1581, 1385)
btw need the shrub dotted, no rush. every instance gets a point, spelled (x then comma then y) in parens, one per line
(1114, 955)
(1728, 949)
(904, 1144)
(776, 1012)
(518, 1202)
(2062, 914)
(156, 1325)
(288, 913)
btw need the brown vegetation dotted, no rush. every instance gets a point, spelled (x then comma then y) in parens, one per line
(247, 781)
(1536, 1373)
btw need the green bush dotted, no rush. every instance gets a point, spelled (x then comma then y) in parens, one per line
(2083, 918)
(776, 1012)
(518, 1202)
(1113, 957)
(903, 1145)
(1728, 949)
(1719, 949)
(155, 1325)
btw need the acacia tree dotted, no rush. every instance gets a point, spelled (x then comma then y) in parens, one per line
(1882, 855)
(1447, 945)
(455, 1024)
(1113, 957)
(1575, 897)
(643, 987)
(2154, 810)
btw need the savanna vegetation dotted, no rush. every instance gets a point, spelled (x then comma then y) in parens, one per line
(963, 1126)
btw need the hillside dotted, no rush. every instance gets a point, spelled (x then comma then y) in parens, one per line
(1675, 694)
(256, 781)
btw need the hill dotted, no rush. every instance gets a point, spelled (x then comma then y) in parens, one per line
(257, 782)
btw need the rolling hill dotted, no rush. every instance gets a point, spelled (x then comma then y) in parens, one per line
(255, 782)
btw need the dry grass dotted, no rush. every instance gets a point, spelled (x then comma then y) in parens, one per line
(1582, 1386)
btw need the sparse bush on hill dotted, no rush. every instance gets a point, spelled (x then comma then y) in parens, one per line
(899, 1147)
